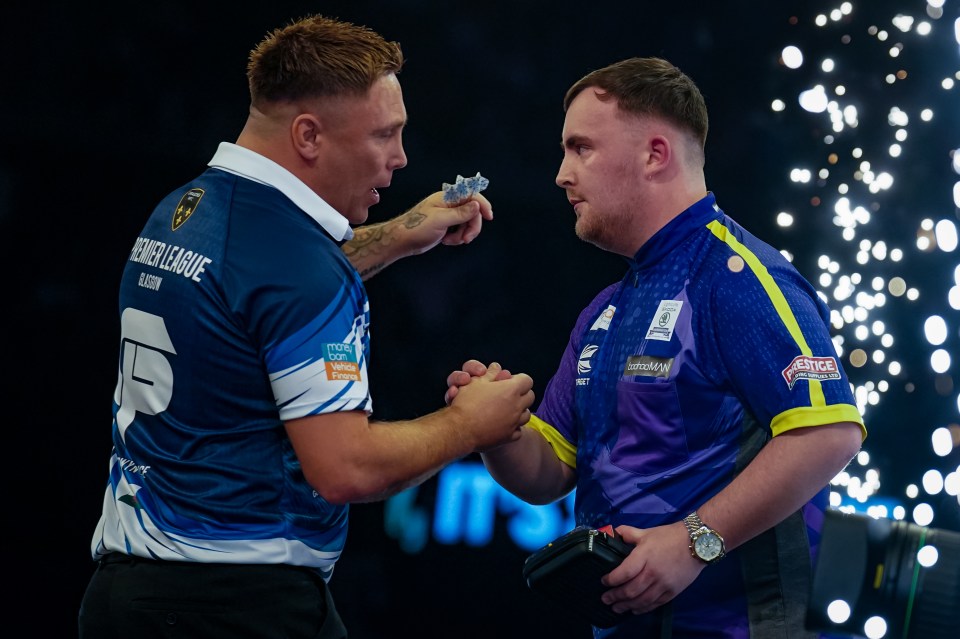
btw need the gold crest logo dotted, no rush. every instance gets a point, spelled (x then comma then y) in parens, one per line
(186, 207)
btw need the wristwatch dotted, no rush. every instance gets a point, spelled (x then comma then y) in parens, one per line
(706, 544)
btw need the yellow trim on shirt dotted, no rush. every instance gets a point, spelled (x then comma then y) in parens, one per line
(795, 417)
(804, 416)
(565, 451)
(776, 297)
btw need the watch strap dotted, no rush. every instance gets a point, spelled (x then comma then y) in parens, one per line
(693, 523)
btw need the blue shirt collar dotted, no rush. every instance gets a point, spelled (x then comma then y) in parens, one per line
(676, 231)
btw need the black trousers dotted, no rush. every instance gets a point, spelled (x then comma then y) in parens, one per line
(130, 597)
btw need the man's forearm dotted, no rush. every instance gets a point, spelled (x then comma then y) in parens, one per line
(375, 246)
(427, 224)
(787, 473)
(530, 469)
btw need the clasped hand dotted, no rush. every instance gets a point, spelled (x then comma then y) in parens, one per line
(471, 368)
(658, 569)
(497, 401)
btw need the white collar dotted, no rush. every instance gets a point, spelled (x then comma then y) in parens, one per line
(253, 166)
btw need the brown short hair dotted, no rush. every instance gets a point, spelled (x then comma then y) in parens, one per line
(318, 56)
(649, 86)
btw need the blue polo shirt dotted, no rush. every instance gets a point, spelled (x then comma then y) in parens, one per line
(238, 312)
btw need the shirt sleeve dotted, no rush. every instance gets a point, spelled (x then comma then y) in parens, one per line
(556, 416)
(772, 335)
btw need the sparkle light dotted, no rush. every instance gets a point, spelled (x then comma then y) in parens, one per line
(935, 330)
(946, 234)
(792, 57)
(928, 556)
(923, 514)
(882, 109)
(875, 628)
(838, 611)
(814, 99)
(942, 442)
(932, 482)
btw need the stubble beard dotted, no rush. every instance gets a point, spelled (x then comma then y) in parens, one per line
(600, 230)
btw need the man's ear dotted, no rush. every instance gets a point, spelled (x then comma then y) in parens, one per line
(305, 131)
(659, 153)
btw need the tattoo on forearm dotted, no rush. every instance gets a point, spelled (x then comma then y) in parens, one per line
(366, 238)
(367, 272)
(370, 250)
(413, 219)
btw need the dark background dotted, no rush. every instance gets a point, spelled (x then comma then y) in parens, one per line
(105, 109)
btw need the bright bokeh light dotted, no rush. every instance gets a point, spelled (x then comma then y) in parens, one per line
(838, 611)
(942, 442)
(880, 107)
(946, 233)
(932, 482)
(928, 556)
(940, 360)
(875, 628)
(814, 99)
(935, 330)
(792, 57)
(923, 514)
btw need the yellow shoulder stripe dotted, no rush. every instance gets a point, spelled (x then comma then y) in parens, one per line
(776, 297)
(797, 417)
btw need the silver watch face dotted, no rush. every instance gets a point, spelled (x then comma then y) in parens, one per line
(708, 546)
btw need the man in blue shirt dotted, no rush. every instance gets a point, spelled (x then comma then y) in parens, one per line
(242, 412)
(700, 406)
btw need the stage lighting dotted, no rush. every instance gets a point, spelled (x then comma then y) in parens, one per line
(883, 578)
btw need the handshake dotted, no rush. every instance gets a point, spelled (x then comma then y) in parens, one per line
(495, 402)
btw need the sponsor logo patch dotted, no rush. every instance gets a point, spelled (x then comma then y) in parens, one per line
(583, 365)
(603, 322)
(661, 327)
(648, 366)
(186, 207)
(340, 361)
(804, 367)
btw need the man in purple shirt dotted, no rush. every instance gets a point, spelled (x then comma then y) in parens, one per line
(700, 406)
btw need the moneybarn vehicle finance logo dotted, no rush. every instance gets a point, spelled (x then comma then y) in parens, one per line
(340, 361)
